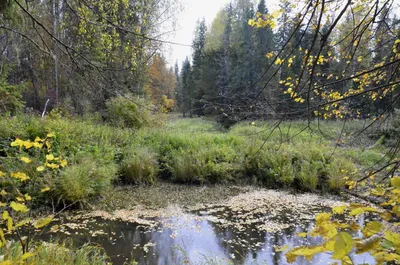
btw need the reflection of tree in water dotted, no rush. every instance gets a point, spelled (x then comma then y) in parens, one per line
(239, 243)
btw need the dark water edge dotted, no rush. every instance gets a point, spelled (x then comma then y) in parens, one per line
(195, 238)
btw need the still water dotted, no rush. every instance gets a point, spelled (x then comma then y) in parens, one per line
(194, 238)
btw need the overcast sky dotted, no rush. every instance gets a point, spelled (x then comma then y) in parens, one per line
(187, 18)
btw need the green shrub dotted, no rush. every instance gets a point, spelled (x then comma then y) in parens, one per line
(139, 165)
(85, 179)
(10, 95)
(338, 171)
(127, 112)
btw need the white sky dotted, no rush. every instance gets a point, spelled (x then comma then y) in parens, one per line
(193, 10)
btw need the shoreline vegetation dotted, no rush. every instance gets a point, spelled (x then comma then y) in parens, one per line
(196, 151)
(181, 165)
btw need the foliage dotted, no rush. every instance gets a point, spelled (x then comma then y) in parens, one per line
(127, 112)
(139, 165)
(379, 238)
(161, 86)
(30, 162)
(10, 95)
(85, 178)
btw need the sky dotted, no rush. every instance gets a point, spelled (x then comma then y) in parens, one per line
(193, 10)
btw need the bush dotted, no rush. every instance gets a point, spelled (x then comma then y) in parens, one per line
(338, 171)
(127, 112)
(139, 165)
(10, 95)
(85, 179)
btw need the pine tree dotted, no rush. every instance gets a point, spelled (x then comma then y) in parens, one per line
(186, 88)
(198, 66)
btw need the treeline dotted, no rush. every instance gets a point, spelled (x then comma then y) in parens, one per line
(77, 55)
(254, 63)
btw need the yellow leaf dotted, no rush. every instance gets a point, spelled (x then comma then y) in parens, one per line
(25, 160)
(18, 207)
(396, 182)
(38, 139)
(343, 245)
(45, 189)
(43, 222)
(322, 218)
(307, 252)
(7, 217)
(20, 175)
(372, 228)
(28, 255)
(2, 174)
(17, 142)
(23, 222)
(28, 144)
(367, 245)
(339, 209)
(303, 234)
(281, 249)
(65, 162)
(27, 197)
(51, 165)
(40, 168)
(49, 157)
(51, 135)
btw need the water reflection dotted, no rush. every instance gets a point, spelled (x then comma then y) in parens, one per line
(192, 239)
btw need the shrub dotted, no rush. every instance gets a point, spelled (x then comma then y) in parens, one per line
(85, 179)
(339, 170)
(10, 95)
(139, 165)
(127, 112)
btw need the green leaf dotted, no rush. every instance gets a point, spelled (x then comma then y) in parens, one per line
(343, 245)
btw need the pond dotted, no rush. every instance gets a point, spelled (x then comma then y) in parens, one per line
(236, 232)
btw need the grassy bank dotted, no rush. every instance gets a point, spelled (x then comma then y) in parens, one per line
(192, 151)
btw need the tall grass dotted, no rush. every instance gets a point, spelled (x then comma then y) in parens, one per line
(57, 254)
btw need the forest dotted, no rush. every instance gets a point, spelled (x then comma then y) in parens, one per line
(276, 141)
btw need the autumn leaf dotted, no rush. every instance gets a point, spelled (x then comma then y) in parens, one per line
(339, 209)
(40, 168)
(43, 222)
(343, 245)
(25, 160)
(303, 234)
(20, 175)
(50, 157)
(372, 228)
(396, 182)
(281, 249)
(18, 207)
(45, 189)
